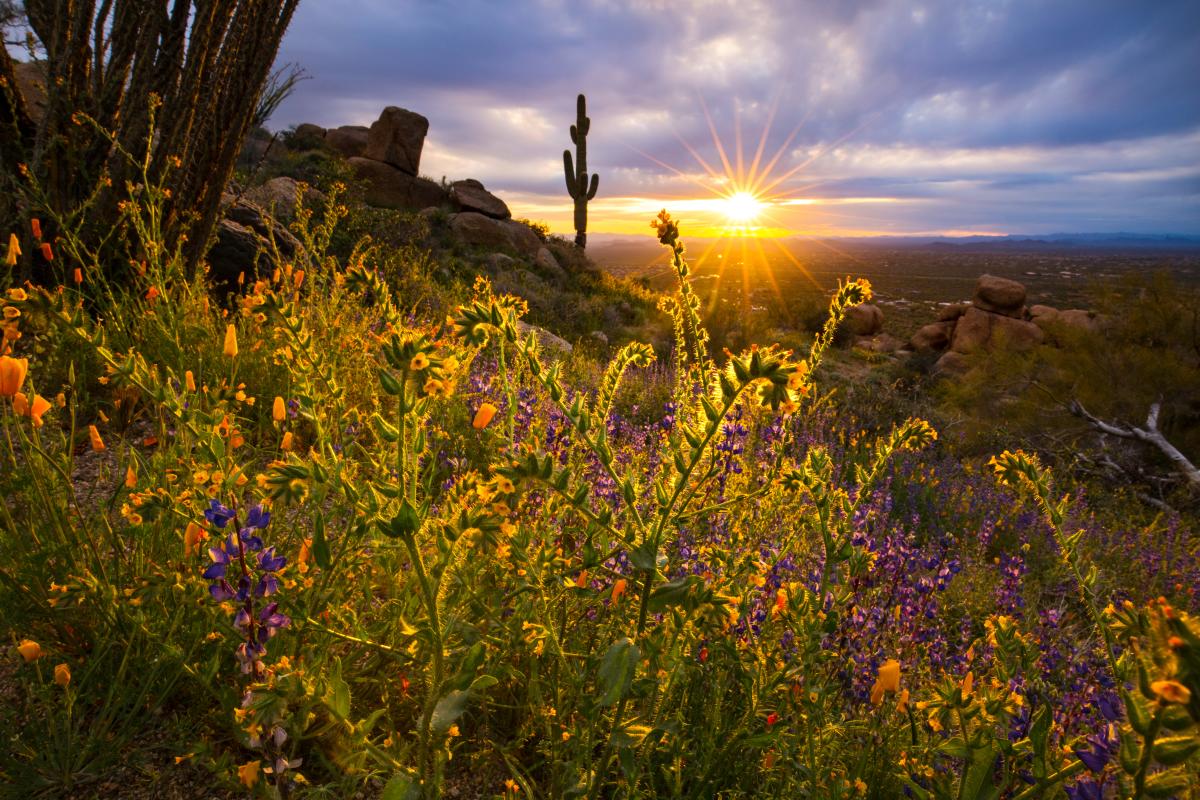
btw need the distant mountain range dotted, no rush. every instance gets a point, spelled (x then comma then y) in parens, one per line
(625, 249)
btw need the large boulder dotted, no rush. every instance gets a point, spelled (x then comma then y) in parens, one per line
(308, 129)
(951, 312)
(266, 227)
(935, 336)
(478, 230)
(999, 295)
(349, 140)
(388, 187)
(547, 265)
(1015, 334)
(972, 331)
(951, 363)
(246, 241)
(865, 320)
(469, 195)
(278, 196)
(524, 240)
(475, 229)
(1079, 318)
(396, 138)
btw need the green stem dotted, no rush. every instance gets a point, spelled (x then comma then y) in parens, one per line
(428, 759)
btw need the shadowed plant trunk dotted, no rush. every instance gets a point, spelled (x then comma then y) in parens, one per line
(204, 61)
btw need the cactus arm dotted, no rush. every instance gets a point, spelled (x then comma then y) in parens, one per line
(595, 185)
(569, 169)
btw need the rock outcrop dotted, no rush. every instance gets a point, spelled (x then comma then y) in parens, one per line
(397, 138)
(278, 196)
(995, 321)
(935, 336)
(388, 187)
(247, 235)
(478, 230)
(865, 320)
(469, 195)
(999, 296)
(349, 140)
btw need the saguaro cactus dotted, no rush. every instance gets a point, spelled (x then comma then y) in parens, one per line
(577, 175)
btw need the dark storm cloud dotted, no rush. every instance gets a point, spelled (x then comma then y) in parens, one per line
(893, 95)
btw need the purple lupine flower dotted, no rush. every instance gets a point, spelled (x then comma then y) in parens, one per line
(218, 514)
(1100, 749)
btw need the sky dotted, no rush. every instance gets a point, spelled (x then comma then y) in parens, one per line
(872, 117)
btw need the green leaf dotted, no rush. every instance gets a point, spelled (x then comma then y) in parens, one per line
(617, 669)
(644, 556)
(339, 697)
(483, 683)
(449, 709)
(675, 593)
(320, 547)
(389, 382)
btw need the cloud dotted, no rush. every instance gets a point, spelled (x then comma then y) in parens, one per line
(998, 109)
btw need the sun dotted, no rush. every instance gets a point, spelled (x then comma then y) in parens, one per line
(741, 207)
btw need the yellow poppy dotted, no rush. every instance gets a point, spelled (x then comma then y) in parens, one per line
(94, 437)
(248, 773)
(34, 410)
(12, 374)
(887, 681)
(29, 650)
(279, 410)
(1171, 692)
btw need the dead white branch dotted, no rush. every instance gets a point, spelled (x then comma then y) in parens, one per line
(1149, 434)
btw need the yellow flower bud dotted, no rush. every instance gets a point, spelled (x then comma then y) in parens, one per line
(279, 410)
(94, 436)
(231, 344)
(62, 675)
(14, 250)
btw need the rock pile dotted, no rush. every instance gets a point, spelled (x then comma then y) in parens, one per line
(386, 158)
(995, 320)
